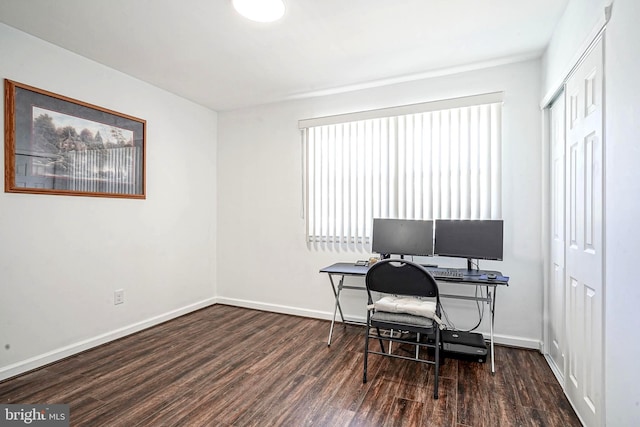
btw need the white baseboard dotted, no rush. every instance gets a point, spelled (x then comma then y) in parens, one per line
(512, 341)
(277, 308)
(556, 371)
(508, 340)
(60, 353)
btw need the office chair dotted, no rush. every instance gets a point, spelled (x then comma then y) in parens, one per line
(411, 303)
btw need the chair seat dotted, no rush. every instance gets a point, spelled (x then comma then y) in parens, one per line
(402, 320)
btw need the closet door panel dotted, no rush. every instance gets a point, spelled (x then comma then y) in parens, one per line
(584, 236)
(556, 296)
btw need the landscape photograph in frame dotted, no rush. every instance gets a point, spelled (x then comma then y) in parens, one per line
(58, 145)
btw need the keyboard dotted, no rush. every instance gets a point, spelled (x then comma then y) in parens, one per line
(445, 273)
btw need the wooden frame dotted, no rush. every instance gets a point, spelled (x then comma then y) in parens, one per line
(59, 145)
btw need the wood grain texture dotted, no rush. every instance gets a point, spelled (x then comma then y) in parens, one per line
(228, 366)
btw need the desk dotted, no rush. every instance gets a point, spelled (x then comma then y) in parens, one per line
(469, 277)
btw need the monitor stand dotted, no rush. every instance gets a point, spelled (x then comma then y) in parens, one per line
(470, 264)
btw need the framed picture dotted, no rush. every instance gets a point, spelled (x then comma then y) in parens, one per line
(58, 145)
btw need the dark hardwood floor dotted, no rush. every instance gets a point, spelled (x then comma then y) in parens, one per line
(229, 366)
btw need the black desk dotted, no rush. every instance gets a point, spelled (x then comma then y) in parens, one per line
(469, 277)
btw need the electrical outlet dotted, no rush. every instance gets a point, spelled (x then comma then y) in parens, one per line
(118, 297)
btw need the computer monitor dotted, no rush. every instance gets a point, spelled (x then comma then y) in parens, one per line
(402, 237)
(471, 239)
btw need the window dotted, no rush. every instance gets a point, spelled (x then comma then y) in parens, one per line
(425, 161)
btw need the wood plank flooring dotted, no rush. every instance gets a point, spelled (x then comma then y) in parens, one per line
(229, 366)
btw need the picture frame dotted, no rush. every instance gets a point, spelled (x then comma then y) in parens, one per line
(58, 145)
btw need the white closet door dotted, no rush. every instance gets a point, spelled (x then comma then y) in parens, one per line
(556, 296)
(584, 256)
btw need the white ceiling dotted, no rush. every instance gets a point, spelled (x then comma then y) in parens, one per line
(204, 51)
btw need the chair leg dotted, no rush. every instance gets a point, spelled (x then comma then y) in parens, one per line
(366, 351)
(437, 364)
(380, 340)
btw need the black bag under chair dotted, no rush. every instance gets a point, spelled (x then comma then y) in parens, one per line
(407, 300)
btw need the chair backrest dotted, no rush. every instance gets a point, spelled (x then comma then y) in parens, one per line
(401, 277)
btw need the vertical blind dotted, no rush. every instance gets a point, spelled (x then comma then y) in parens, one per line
(436, 163)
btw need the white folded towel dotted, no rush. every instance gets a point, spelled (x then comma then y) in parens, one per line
(405, 304)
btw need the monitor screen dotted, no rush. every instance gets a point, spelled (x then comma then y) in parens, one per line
(472, 239)
(402, 237)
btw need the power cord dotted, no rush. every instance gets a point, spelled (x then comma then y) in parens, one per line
(450, 325)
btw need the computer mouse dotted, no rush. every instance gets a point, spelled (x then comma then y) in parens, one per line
(491, 276)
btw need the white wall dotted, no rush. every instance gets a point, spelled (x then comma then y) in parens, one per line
(61, 257)
(575, 30)
(622, 351)
(263, 259)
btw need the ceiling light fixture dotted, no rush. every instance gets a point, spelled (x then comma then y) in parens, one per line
(260, 10)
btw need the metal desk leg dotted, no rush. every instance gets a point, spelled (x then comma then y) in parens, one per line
(492, 306)
(337, 307)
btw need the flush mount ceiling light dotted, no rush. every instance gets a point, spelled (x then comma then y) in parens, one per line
(260, 10)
